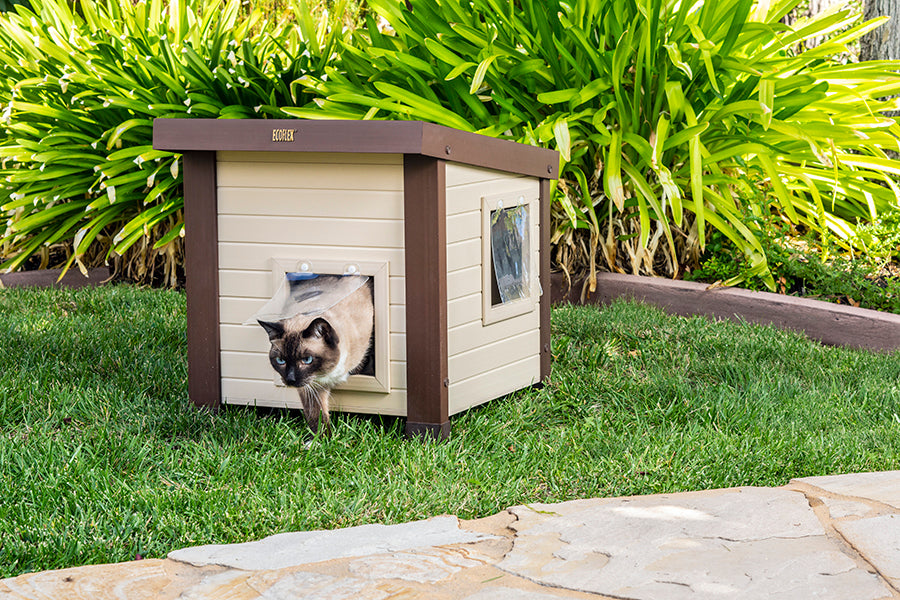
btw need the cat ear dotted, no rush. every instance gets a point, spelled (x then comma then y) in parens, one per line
(321, 328)
(275, 330)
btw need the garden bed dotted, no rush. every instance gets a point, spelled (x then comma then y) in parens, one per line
(832, 324)
(51, 278)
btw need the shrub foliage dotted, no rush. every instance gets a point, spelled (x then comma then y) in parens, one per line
(78, 94)
(670, 117)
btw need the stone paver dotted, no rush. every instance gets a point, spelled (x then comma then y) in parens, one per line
(878, 540)
(883, 486)
(293, 549)
(742, 543)
(834, 538)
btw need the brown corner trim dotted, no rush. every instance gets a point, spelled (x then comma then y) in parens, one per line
(425, 235)
(828, 323)
(428, 431)
(202, 279)
(546, 286)
(44, 278)
(382, 137)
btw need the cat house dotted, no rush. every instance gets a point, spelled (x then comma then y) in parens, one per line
(452, 229)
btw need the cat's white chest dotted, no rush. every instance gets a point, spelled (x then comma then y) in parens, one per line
(337, 375)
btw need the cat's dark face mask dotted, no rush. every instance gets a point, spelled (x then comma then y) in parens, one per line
(300, 355)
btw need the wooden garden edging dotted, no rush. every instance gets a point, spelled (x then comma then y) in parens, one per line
(50, 278)
(831, 324)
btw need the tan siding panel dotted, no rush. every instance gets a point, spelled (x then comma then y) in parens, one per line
(465, 226)
(464, 310)
(360, 402)
(398, 318)
(260, 285)
(310, 176)
(257, 256)
(472, 335)
(311, 231)
(463, 254)
(261, 393)
(251, 338)
(496, 383)
(490, 357)
(458, 175)
(467, 198)
(246, 365)
(256, 365)
(235, 311)
(245, 284)
(311, 157)
(310, 203)
(464, 282)
(246, 338)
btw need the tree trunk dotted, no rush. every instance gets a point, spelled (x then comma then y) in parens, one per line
(884, 42)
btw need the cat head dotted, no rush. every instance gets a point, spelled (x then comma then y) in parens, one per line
(301, 353)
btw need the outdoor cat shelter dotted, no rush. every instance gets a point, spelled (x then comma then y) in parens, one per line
(451, 227)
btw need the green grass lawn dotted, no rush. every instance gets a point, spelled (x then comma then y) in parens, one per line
(102, 458)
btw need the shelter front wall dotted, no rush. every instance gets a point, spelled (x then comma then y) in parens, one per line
(304, 207)
(484, 361)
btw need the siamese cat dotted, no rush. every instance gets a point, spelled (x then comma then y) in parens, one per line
(316, 353)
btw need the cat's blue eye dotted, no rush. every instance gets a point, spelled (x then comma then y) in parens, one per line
(306, 360)
(279, 360)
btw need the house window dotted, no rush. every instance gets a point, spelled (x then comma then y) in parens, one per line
(509, 256)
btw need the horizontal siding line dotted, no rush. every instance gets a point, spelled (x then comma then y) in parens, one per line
(246, 380)
(252, 188)
(501, 341)
(245, 271)
(270, 381)
(466, 297)
(473, 211)
(267, 298)
(232, 271)
(245, 352)
(463, 241)
(307, 189)
(311, 246)
(239, 298)
(269, 215)
(479, 321)
(312, 163)
(392, 363)
(497, 368)
(269, 272)
(353, 219)
(467, 323)
(455, 243)
(499, 178)
(468, 268)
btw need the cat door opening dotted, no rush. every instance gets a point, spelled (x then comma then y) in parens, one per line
(509, 277)
(308, 289)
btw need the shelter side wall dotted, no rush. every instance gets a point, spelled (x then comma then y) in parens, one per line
(484, 361)
(304, 207)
